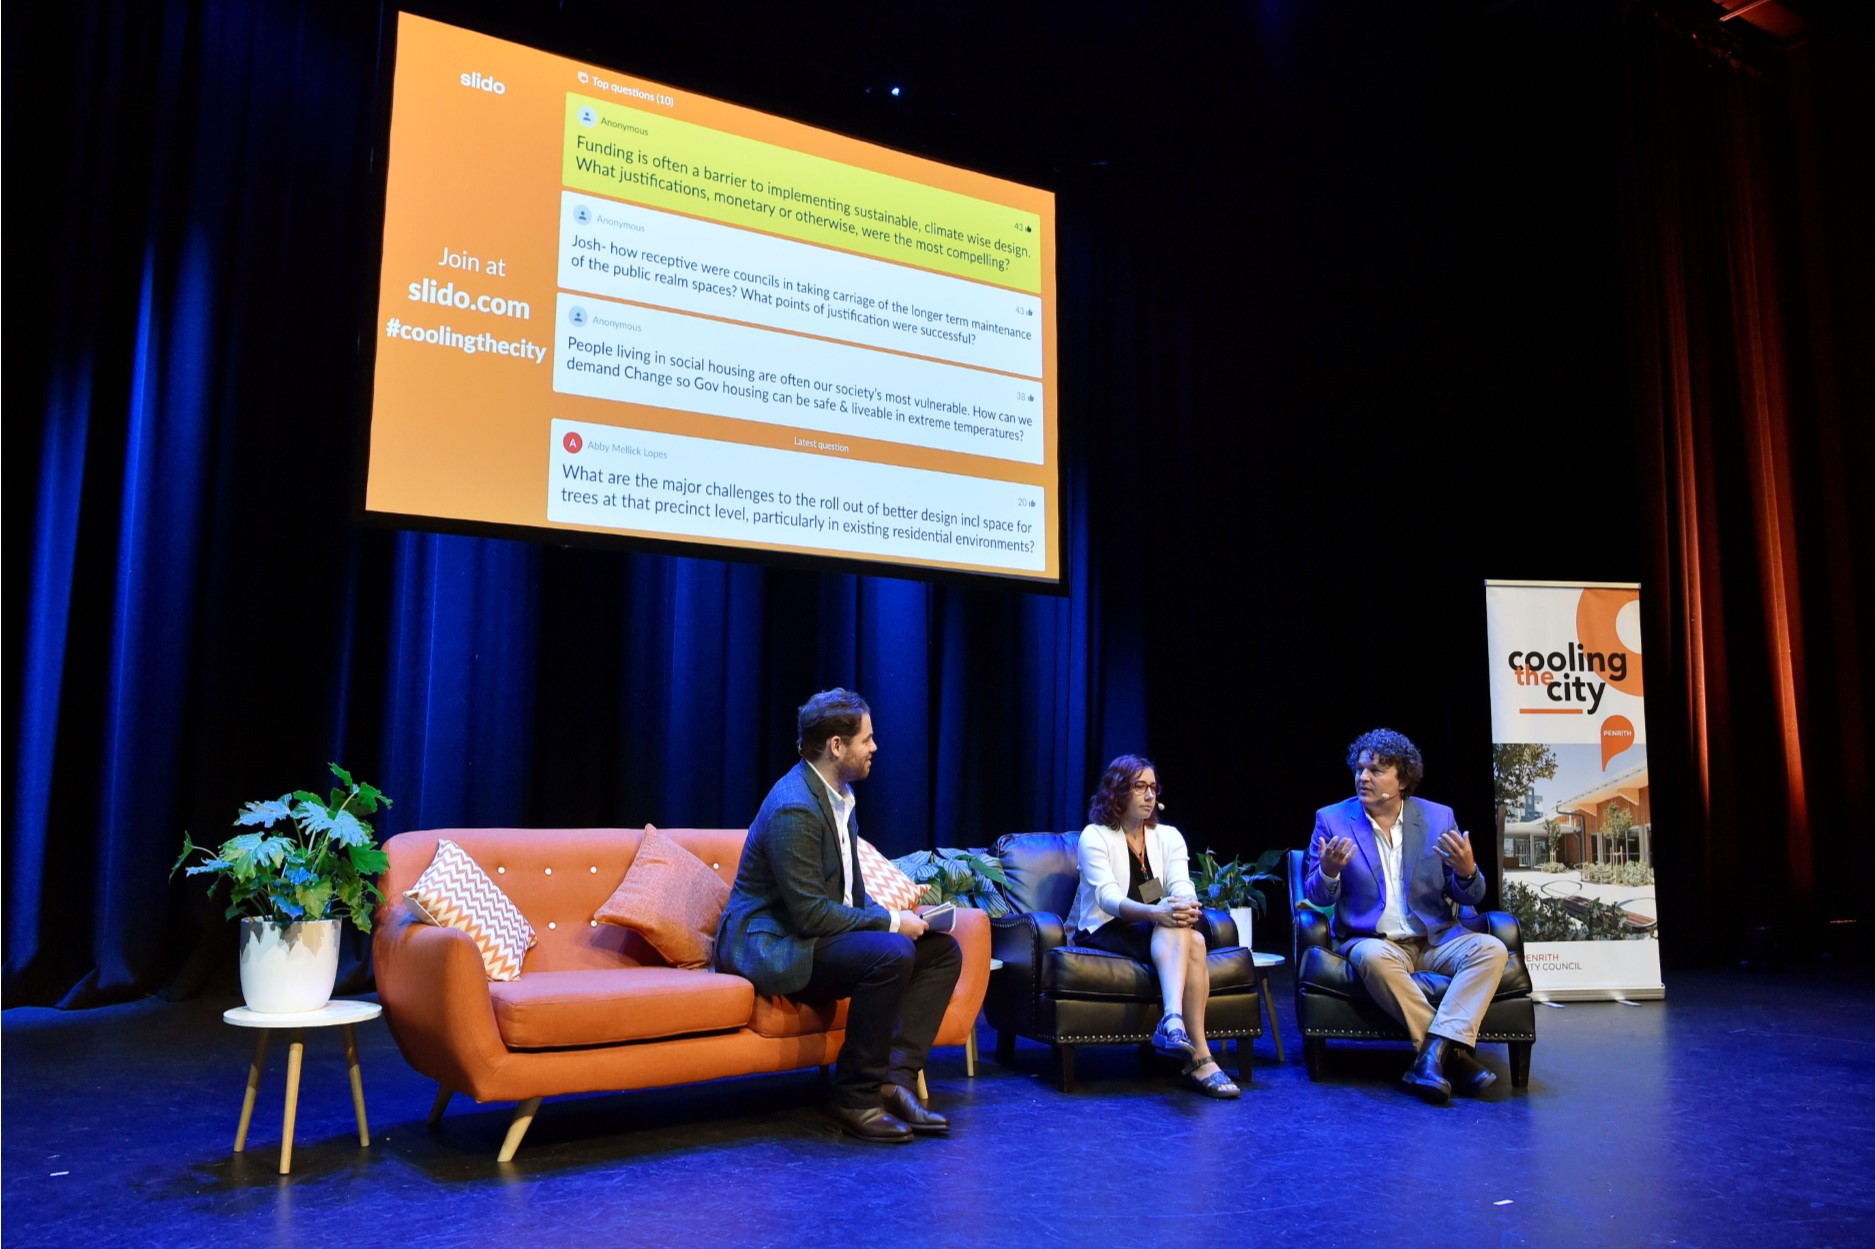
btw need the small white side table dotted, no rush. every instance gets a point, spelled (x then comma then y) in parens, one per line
(1264, 962)
(340, 1014)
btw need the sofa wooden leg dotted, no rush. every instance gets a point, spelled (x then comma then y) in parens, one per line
(1064, 1066)
(517, 1128)
(1006, 1046)
(1520, 1064)
(1315, 1056)
(443, 1094)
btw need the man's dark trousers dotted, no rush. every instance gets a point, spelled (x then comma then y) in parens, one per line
(899, 989)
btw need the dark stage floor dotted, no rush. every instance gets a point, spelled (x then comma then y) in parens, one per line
(1739, 1112)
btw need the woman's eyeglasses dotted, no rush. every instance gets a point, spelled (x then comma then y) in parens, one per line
(1144, 788)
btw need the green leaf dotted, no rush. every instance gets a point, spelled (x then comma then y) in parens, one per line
(213, 865)
(247, 854)
(369, 861)
(312, 815)
(313, 898)
(348, 830)
(345, 777)
(188, 848)
(265, 814)
(369, 799)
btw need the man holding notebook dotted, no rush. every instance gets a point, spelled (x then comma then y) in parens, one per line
(799, 924)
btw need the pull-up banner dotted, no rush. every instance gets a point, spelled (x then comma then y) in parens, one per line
(1569, 760)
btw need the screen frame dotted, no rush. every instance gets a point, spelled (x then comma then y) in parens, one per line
(371, 313)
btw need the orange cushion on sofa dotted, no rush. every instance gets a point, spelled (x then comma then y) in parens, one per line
(785, 1017)
(671, 898)
(568, 1009)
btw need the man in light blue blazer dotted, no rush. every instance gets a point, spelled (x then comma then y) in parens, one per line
(799, 924)
(1398, 873)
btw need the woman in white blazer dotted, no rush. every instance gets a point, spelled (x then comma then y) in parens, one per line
(1136, 898)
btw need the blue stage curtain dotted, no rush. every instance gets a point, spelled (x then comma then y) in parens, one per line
(201, 621)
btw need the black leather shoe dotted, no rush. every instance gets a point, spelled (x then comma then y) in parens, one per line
(1426, 1078)
(870, 1124)
(1469, 1076)
(904, 1103)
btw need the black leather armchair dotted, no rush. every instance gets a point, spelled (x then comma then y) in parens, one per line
(1064, 996)
(1332, 1002)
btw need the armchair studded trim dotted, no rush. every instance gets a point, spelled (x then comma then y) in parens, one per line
(1331, 1001)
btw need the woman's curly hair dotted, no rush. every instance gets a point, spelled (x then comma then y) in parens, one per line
(1393, 750)
(1108, 803)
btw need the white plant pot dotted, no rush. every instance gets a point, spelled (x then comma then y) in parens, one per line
(292, 971)
(1242, 915)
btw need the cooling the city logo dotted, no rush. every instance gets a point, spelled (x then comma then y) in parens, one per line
(1577, 674)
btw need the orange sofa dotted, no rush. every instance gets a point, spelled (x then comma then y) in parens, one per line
(595, 1008)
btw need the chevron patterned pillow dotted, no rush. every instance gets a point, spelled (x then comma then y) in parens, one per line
(454, 892)
(885, 883)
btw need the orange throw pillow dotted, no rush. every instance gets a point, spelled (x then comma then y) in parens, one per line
(671, 898)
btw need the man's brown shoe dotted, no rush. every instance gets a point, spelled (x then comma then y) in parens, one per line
(904, 1103)
(870, 1124)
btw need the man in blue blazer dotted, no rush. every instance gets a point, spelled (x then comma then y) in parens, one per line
(1398, 872)
(799, 924)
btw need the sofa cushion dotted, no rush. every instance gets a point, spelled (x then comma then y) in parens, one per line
(785, 1017)
(1072, 972)
(453, 892)
(671, 898)
(886, 884)
(570, 1009)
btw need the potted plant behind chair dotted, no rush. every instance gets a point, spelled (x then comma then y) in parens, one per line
(1235, 886)
(293, 881)
(965, 877)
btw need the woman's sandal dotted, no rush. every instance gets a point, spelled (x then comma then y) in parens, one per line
(1217, 1084)
(1171, 1039)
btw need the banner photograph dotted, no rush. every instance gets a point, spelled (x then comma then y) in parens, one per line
(1575, 835)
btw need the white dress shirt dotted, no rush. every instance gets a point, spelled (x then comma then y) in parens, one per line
(843, 804)
(1396, 918)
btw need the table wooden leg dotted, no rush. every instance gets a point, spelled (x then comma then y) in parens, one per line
(295, 1051)
(970, 1051)
(358, 1083)
(1269, 1011)
(253, 1086)
(923, 1090)
(443, 1094)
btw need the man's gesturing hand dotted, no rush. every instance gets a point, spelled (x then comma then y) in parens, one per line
(1455, 848)
(1334, 855)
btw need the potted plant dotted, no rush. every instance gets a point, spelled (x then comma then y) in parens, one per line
(304, 869)
(1235, 886)
(966, 877)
